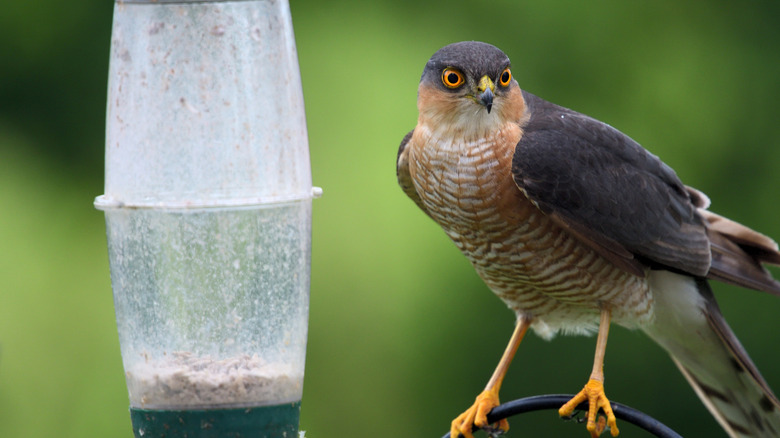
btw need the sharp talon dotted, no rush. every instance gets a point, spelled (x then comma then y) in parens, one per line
(601, 424)
(597, 400)
(476, 416)
(493, 431)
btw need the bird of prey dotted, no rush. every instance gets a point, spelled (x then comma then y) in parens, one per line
(574, 226)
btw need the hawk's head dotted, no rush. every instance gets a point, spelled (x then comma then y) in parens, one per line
(468, 86)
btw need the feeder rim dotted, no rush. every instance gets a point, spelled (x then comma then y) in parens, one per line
(108, 202)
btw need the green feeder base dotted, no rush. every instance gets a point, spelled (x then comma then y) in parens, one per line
(279, 421)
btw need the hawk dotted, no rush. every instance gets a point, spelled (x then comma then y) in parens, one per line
(574, 226)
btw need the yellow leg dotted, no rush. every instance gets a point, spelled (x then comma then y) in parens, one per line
(594, 389)
(476, 415)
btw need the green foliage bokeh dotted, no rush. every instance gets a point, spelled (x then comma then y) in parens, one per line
(403, 334)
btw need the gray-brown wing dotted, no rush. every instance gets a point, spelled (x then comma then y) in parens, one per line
(402, 172)
(609, 191)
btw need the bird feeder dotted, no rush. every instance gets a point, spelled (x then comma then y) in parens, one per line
(208, 216)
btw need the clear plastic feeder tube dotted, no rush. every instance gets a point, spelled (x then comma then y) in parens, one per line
(211, 304)
(208, 203)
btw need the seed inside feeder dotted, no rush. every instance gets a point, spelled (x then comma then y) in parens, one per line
(185, 380)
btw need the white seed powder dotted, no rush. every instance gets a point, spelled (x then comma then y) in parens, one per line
(183, 380)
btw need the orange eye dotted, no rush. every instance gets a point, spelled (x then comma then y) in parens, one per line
(505, 77)
(452, 78)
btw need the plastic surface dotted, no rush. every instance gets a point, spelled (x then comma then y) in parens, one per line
(205, 106)
(208, 205)
(211, 304)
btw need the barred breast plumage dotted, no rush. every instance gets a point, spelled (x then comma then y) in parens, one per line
(534, 266)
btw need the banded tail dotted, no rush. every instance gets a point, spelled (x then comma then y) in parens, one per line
(690, 326)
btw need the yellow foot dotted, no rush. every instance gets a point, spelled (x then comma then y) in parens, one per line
(476, 415)
(597, 400)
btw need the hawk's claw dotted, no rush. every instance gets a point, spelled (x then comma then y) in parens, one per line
(597, 400)
(476, 416)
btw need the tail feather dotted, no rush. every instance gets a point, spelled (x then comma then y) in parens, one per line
(738, 252)
(690, 327)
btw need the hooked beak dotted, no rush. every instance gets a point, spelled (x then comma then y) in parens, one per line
(485, 96)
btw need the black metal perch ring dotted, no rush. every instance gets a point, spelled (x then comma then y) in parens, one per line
(555, 401)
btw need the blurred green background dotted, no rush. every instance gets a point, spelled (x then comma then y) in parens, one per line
(403, 334)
